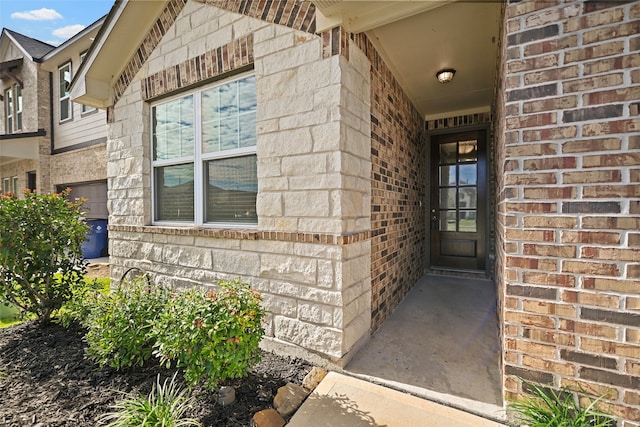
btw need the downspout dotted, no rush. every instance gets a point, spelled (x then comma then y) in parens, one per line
(51, 133)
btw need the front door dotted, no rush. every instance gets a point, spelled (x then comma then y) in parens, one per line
(458, 200)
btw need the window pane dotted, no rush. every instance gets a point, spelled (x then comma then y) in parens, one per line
(247, 124)
(64, 80)
(18, 107)
(468, 221)
(174, 193)
(65, 109)
(231, 189)
(8, 97)
(173, 130)
(468, 198)
(468, 174)
(448, 153)
(447, 220)
(64, 83)
(247, 94)
(447, 198)
(448, 176)
(228, 132)
(229, 116)
(468, 151)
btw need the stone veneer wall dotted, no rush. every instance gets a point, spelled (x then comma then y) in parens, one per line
(398, 189)
(310, 253)
(569, 209)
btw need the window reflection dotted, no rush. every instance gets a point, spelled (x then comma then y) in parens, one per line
(174, 193)
(468, 151)
(448, 153)
(232, 187)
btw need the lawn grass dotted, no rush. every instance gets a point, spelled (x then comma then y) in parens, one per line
(103, 283)
(5, 323)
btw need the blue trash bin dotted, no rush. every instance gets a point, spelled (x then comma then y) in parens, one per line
(96, 239)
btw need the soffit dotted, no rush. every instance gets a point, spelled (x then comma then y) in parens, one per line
(442, 34)
(114, 46)
(18, 148)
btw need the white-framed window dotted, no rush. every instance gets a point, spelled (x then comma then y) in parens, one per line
(6, 185)
(64, 83)
(204, 155)
(15, 184)
(8, 108)
(18, 107)
(85, 108)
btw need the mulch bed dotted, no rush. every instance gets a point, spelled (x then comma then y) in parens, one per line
(45, 380)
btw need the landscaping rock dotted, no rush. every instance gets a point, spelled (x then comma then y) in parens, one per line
(313, 378)
(289, 398)
(268, 418)
(226, 395)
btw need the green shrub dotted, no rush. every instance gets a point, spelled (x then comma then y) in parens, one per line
(120, 324)
(549, 408)
(83, 301)
(40, 251)
(165, 406)
(212, 335)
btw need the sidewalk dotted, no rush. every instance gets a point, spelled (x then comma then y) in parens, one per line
(344, 401)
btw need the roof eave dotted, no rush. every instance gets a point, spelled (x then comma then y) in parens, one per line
(114, 46)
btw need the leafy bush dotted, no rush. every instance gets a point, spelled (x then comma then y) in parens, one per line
(213, 335)
(120, 324)
(40, 236)
(549, 408)
(83, 300)
(165, 406)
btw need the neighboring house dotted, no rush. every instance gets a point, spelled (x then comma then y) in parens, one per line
(48, 142)
(307, 147)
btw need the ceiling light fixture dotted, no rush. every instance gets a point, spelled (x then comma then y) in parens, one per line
(446, 75)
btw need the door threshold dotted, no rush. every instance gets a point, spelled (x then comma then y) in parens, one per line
(457, 272)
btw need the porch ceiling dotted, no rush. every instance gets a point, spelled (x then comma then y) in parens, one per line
(12, 150)
(419, 38)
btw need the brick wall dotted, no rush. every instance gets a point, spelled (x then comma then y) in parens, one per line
(398, 189)
(568, 210)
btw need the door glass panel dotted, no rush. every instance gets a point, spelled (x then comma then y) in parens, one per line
(468, 151)
(447, 198)
(458, 180)
(448, 153)
(447, 220)
(468, 221)
(468, 174)
(468, 198)
(448, 176)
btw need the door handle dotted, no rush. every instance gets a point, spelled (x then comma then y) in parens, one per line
(434, 222)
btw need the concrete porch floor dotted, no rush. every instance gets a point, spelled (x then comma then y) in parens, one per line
(441, 343)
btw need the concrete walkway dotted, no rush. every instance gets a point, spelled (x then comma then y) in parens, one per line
(345, 401)
(441, 344)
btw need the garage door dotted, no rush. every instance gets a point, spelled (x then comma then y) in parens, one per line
(96, 195)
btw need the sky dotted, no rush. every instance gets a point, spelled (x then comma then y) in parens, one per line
(51, 21)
